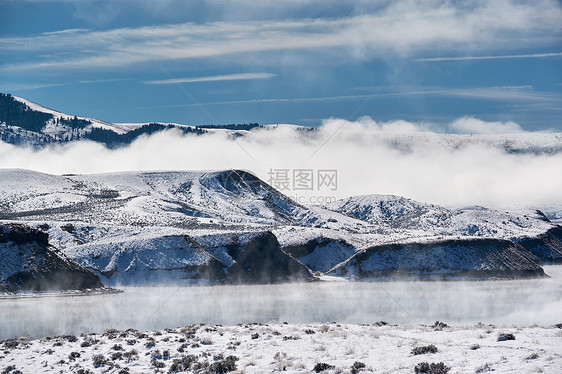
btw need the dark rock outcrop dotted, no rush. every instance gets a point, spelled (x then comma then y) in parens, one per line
(321, 254)
(470, 258)
(547, 246)
(261, 261)
(28, 262)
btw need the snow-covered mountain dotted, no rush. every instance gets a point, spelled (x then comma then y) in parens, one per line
(229, 226)
(23, 122)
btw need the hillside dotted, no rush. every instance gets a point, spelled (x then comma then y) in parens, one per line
(230, 227)
(531, 229)
(149, 257)
(26, 123)
(179, 199)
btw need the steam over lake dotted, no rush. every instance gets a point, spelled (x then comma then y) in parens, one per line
(522, 302)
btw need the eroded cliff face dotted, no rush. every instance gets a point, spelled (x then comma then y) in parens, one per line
(260, 260)
(547, 246)
(472, 258)
(30, 263)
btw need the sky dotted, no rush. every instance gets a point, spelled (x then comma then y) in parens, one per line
(300, 62)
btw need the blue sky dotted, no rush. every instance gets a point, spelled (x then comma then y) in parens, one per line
(219, 61)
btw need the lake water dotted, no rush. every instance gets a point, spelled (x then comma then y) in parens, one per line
(522, 302)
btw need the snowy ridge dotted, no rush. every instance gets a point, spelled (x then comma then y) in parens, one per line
(56, 129)
(527, 142)
(233, 197)
(421, 219)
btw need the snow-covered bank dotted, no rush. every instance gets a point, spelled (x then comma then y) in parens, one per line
(44, 294)
(299, 348)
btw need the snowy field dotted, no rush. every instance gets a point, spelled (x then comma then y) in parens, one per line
(293, 348)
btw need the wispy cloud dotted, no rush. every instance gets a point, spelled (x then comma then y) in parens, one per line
(10, 87)
(517, 93)
(522, 94)
(399, 28)
(90, 81)
(66, 31)
(214, 78)
(469, 58)
(264, 100)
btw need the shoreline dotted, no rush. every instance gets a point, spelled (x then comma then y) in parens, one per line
(68, 293)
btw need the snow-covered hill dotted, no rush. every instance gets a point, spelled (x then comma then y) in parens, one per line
(25, 123)
(421, 219)
(179, 199)
(142, 227)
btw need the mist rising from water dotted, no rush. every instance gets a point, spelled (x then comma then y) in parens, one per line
(521, 302)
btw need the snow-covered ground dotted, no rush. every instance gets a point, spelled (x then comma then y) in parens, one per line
(292, 348)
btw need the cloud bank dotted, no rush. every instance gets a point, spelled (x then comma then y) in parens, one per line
(399, 157)
(469, 125)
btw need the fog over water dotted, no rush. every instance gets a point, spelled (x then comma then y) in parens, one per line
(521, 302)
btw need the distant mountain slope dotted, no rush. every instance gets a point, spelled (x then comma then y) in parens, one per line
(23, 122)
(28, 262)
